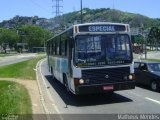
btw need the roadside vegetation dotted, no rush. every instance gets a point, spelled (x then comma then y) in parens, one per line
(41, 53)
(7, 54)
(14, 99)
(33, 36)
(153, 60)
(21, 70)
(4, 55)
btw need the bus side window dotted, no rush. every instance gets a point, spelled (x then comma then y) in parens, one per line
(65, 47)
(52, 44)
(50, 48)
(63, 44)
(70, 47)
(58, 45)
(54, 47)
(55, 43)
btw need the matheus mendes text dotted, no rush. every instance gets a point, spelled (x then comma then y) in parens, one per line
(138, 117)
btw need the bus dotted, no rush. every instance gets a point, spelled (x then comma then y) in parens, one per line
(92, 58)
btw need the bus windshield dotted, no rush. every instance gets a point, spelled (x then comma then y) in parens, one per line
(99, 50)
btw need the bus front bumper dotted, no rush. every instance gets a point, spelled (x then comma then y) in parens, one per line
(94, 89)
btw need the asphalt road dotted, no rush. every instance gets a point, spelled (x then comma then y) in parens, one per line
(56, 100)
(16, 58)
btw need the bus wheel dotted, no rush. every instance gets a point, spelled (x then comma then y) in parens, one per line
(66, 84)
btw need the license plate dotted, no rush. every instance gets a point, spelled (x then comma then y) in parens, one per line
(108, 87)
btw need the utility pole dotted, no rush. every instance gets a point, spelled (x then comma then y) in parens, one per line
(145, 33)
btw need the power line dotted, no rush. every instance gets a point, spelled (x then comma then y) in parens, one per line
(58, 12)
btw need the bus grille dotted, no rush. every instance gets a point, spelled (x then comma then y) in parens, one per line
(107, 75)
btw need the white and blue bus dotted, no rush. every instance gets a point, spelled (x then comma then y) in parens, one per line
(92, 58)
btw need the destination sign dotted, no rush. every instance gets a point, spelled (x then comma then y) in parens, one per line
(102, 28)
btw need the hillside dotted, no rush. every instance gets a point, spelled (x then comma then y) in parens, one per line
(111, 15)
(89, 15)
(18, 21)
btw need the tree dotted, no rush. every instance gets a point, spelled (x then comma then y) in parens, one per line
(154, 37)
(8, 37)
(34, 36)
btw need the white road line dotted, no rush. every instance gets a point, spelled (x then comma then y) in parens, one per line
(48, 93)
(40, 91)
(147, 98)
(156, 101)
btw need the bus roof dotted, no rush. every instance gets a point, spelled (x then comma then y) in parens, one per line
(99, 23)
(98, 27)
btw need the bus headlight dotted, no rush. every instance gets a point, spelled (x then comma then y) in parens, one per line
(131, 77)
(81, 81)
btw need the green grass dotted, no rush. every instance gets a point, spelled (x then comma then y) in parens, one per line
(5, 55)
(14, 99)
(11, 53)
(21, 70)
(152, 60)
(42, 53)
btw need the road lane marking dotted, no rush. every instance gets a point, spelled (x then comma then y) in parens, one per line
(156, 101)
(45, 84)
(48, 92)
(146, 98)
(40, 91)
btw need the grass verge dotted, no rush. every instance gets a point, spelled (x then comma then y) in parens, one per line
(21, 70)
(14, 99)
(152, 60)
(9, 53)
(41, 53)
(5, 55)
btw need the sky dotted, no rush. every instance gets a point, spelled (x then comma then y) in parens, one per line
(45, 9)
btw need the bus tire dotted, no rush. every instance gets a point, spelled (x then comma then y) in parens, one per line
(66, 83)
